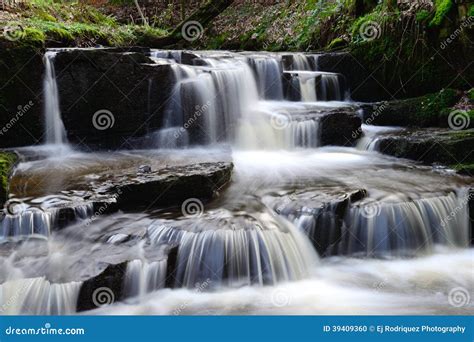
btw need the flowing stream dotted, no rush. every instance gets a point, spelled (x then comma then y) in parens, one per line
(302, 228)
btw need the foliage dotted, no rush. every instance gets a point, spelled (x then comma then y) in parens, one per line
(470, 94)
(48, 22)
(442, 9)
(7, 161)
(422, 15)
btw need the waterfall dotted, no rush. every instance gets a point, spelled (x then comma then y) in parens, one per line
(371, 136)
(54, 127)
(35, 220)
(308, 88)
(302, 134)
(379, 228)
(225, 98)
(268, 74)
(143, 277)
(37, 296)
(237, 251)
(385, 228)
(300, 62)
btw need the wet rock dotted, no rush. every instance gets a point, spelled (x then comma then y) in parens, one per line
(105, 288)
(21, 79)
(168, 186)
(430, 146)
(341, 127)
(133, 94)
(319, 212)
(364, 84)
(144, 169)
(171, 268)
(426, 111)
(108, 286)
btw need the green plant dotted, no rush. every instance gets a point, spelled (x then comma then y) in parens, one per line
(442, 9)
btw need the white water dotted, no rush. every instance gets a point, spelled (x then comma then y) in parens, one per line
(143, 277)
(226, 99)
(372, 134)
(340, 286)
(38, 296)
(38, 217)
(251, 251)
(225, 249)
(54, 128)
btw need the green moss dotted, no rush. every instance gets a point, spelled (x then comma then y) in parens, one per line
(422, 15)
(470, 94)
(32, 36)
(442, 9)
(434, 107)
(337, 43)
(7, 162)
(471, 11)
(465, 169)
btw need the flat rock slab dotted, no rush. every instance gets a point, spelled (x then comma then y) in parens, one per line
(448, 147)
(168, 186)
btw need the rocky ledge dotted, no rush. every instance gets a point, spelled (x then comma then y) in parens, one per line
(429, 146)
(168, 186)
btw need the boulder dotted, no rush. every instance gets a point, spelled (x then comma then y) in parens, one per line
(104, 288)
(109, 96)
(340, 127)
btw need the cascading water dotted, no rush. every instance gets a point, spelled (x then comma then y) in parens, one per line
(38, 296)
(286, 200)
(143, 277)
(371, 136)
(268, 72)
(236, 251)
(385, 228)
(54, 127)
(398, 228)
(227, 99)
(29, 220)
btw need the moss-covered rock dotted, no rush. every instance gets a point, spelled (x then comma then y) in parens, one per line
(445, 147)
(7, 163)
(431, 110)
